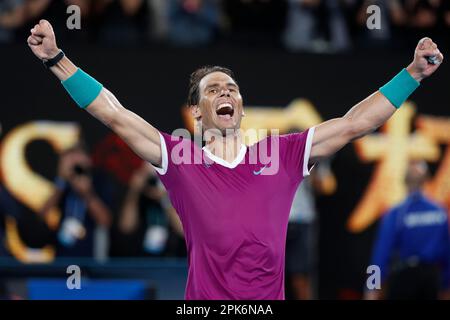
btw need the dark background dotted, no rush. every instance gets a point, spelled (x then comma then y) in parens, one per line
(152, 81)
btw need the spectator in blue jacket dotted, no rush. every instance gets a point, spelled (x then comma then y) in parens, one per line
(412, 248)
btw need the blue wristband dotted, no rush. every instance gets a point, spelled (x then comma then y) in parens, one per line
(82, 88)
(399, 88)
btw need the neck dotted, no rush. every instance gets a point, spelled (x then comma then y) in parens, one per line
(414, 189)
(226, 147)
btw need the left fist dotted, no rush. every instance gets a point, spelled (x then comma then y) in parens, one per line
(421, 67)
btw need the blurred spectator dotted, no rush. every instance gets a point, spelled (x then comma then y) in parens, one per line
(300, 244)
(159, 22)
(407, 21)
(426, 18)
(18, 16)
(122, 22)
(301, 21)
(12, 15)
(423, 14)
(302, 235)
(82, 196)
(302, 25)
(193, 22)
(56, 11)
(255, 22)
(148, 220)
(15, 16)
(392, 24)
(412, 248)
(317, 26)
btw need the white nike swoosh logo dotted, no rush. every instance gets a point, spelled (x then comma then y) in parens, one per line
(257, 173)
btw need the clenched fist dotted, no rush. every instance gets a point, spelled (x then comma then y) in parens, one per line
(42, 41)
(421, 67)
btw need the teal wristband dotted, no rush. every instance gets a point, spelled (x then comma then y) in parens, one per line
(399, 88)
(82, 88)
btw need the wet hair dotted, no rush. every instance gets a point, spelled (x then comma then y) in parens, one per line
(197, 76)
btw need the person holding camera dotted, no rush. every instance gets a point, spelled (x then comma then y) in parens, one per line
(82, 200)
(147, 218)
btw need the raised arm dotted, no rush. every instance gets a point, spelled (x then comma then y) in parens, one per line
(135, 131)
(375, 110)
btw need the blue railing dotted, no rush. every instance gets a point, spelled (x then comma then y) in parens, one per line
(153, 278)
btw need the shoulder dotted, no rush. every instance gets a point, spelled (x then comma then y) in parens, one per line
(171, 140)
(285, 139)
(432, 204)
(302, 135)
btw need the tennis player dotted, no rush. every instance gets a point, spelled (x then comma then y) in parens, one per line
(234, 204)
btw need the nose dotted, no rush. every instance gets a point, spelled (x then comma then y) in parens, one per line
(225, 92)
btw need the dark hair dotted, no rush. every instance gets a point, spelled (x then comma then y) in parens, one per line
(197, 76)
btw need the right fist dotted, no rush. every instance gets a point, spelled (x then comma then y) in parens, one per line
(42, 41)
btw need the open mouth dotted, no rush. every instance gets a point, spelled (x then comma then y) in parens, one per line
(225, 110)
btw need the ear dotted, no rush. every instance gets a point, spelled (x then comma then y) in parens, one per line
(195, 111)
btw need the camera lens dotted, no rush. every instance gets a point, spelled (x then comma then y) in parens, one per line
(80, 170)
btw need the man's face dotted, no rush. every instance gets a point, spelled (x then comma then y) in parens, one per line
(220, 103)
(416, 174)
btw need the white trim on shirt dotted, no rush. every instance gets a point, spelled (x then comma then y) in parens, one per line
(222, 162)
(164, 157)
(308, 145)
(241, 155)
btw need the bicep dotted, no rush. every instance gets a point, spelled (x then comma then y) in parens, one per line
(363, 118)
(329, 137)
(142, 137)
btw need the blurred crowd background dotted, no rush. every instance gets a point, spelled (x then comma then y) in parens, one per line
(325, 26)
(114, 218)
